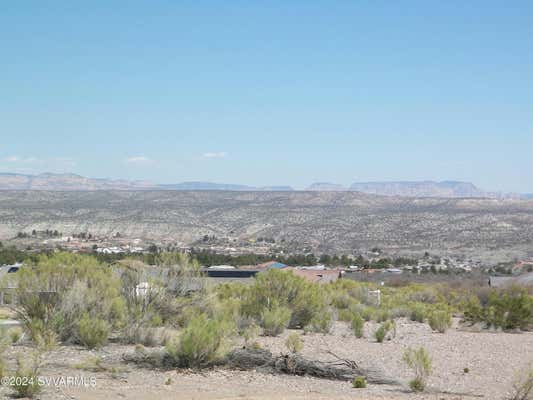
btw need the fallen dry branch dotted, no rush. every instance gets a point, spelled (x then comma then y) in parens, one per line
(295, 364)
(263, 360)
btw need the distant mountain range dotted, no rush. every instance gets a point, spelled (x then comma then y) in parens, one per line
(421, 189)
(446, 189)
(219, 186)
(326, 186)
(73, 182)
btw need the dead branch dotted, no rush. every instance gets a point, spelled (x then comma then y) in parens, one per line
(295, 364)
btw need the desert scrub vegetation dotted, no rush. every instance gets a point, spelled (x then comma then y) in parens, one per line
(93, 332)
(420, 363)
(357, 325)
(202, 343)
(294, 343)
(73, 298)
(417, 313)
(508, 309)
(359, 382)
(15, 335)
(280, 289)
(3, 347)
(387, 330)
(61, 289)
(321, 323)
(275, 320)
(26, 382)
(250, 333)
(523, 385)
(167, 295)
(440, 320)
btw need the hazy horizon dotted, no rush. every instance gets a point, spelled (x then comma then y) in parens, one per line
(279, 184)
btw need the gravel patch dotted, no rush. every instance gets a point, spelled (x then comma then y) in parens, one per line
(493, 359)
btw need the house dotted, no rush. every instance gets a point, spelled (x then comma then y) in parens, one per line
(522, 266)
(220, 267)
(270, 264)
(394, 270)
(314, 267)
(228, 273)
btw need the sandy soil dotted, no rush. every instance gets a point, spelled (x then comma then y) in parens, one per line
(493, 360)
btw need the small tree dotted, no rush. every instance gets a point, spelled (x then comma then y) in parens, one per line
(420, 362)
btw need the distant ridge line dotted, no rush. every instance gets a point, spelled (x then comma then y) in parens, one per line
(73, 182)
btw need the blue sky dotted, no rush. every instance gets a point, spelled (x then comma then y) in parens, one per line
(269, 92)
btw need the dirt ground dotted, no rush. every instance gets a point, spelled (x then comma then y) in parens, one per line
(493, 361)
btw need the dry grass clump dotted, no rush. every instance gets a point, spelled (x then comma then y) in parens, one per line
(294, 343)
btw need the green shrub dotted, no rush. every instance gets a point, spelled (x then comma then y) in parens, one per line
(473, 311)
(510, 309)
(380, 334)
(418, 313)
(367, 314)
(382, 315)
(294, 343)
(55, 293)
(440, 320)
(466, 370)
(146, 336)
(200, 344)
(93, 332)
(385, 330)
(417, 385)
(275, 320)
(341, 300)
(305, 300)
(321, 323)
(26, 383)
(400, 312)
(507, 309)
(420, 362)
(345, 315)
(357, 325)
(392, 328)
(3, 346)
(250, 333)
(15, 334)
(42, 334)
(359, 382)
(156, 321)
(423, 294)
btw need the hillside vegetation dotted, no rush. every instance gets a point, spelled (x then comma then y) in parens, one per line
(322, 221)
